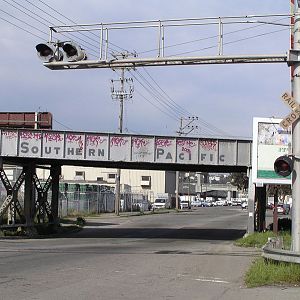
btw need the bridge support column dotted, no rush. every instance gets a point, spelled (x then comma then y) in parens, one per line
(229, 196)
(11, 204)
(55, 173)
(29, 203)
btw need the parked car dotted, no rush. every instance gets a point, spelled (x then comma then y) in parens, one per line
(244, 205)
(197, 203)
(207, 204)
(185, 204)
(161, 203)
(282, 209)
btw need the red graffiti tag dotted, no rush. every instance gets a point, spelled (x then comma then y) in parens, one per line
(163, 142)
(118, 141)
(10, 134)
(53, 137)
(27, 135)
(209, 145)
(71, 138)
(187, 150)
(95, 140)
(186, 143)
(140, 142)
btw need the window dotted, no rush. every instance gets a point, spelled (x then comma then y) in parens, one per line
(146, 181)
(111, 176)
(79, 175)
(100, 179)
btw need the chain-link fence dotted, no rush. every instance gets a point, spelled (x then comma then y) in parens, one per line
(83, 198)
(86, 202)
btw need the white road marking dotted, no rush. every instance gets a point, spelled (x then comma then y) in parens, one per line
(213, 280)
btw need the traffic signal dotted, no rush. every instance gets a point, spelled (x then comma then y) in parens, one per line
(73, 52)
(283, 166)
(48, 52)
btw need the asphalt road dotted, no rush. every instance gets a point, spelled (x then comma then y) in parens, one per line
(186, 255)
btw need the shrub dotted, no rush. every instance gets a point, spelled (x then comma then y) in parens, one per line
(80, 221)
(284, 224)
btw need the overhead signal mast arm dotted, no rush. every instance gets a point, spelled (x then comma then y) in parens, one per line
(167, 61)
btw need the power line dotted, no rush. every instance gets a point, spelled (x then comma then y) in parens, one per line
(77, 24)
(180, 108)
(22, 21)
(161, 110)
(36, 19)
(72, 35)
(215, 36)
(21, 28)
(166, 102)
(186, 112)
(232, 42)
(175, 115)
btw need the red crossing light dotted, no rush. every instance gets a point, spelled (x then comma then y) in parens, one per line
(283, 166)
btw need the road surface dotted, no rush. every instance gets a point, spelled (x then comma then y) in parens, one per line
(186, 255)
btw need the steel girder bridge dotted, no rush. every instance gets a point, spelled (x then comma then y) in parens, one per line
(32, 149)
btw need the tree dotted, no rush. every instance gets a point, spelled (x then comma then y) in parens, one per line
(282, 190)
(240, 180)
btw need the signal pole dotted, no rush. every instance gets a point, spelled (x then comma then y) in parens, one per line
(121, 95)
(180, 132)
(296, 143)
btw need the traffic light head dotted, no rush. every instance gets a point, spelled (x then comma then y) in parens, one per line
(48, 52)
(73, 52)
(283, 166)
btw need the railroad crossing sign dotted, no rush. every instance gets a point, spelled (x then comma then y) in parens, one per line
(294, 115)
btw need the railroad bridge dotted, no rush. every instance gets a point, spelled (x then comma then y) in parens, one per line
(32, 149)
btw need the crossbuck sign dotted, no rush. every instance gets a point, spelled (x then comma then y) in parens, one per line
(294, 115)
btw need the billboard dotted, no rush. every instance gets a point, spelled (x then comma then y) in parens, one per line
(270, 141)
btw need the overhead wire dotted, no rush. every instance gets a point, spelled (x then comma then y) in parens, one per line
(170, 104)
(173, 105)
(85, 43)
(62, 15)
(22, 21)
(36, 19)
(170, 112)
(210, 129)
(216, 35)
(185, 112)
(164, 101)
(19, 27)
(232, 42)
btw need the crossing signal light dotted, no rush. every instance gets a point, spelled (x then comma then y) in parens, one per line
(48, 52)
(283, 166)
(73, 52)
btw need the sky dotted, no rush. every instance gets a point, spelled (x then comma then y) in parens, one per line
(225, 98)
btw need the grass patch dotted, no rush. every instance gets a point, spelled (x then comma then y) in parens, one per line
(264, 272)
(259, 239)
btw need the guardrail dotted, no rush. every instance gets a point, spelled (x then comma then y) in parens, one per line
(274, 250)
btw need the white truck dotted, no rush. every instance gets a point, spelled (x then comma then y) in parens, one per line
(162, 200)
(185, 201)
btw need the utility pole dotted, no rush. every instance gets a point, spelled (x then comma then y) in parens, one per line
(121, 94)
(296, 142)
(180, 132)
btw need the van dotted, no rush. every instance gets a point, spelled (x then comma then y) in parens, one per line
(161, 203)
(185, 204)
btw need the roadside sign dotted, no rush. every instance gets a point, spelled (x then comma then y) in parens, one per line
(270, 141)
(294, 115)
